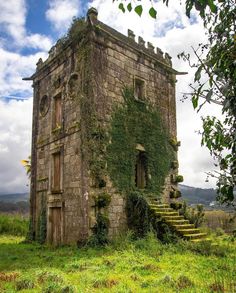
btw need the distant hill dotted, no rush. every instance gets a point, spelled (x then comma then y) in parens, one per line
(14, 203)
(194, 195)
(14, 197)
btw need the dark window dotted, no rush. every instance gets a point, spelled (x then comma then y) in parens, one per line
(139, 91)
(56, 172)
(141, 170)
(57, 112)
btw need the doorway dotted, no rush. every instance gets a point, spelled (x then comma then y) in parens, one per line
(141, 170)
(55, 224)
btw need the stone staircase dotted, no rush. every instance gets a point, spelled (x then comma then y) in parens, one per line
(177, 222)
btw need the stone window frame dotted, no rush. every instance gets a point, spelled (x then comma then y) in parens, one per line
(141, 81)
(60, 150)
(70, 91)
(56, 127)
(43, 99)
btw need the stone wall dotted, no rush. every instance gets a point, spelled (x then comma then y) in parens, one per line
(118, 64)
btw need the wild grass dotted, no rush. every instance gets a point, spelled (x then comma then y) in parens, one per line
(144, 265)
(220, 220)
(14, 224)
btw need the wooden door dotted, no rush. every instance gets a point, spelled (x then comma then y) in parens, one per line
(55, 226)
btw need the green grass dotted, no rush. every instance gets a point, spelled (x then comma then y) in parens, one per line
(125, 266)
(14, 224)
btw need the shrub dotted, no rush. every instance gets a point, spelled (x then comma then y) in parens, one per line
(176, 205)
(179, 178)
(194, 215)
(175, 193)
(13, 225)
(138, 214)
(100, 231)
(102, 200)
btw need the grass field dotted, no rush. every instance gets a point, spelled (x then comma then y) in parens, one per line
(125, 266)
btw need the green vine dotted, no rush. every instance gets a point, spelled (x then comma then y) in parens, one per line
(138, 214)
(138, 123)
(42, 223)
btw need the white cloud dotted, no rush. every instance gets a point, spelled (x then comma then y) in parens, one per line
(15, 141)
(13, 68)
(12, 22)
(61, 12)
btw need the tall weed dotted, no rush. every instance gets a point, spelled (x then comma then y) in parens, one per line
(13, 225)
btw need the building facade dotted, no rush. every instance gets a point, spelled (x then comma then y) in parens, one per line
(75, 92)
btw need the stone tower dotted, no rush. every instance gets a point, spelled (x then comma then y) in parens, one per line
(77, 93)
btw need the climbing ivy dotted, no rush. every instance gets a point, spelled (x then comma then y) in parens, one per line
(138, 214)
(136, 122)
(42, 223)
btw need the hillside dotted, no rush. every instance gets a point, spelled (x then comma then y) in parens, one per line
(195, 195)
(14, 197)
(14, 203)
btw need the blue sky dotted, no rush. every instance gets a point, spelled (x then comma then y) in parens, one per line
(28, 28)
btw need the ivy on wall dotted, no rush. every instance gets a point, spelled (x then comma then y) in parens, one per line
(42, 222)
(136, 122)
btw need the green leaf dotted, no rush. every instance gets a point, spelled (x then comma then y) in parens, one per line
(121, 7)
(195, 102)
(197, 75)
(209, 95)
(153, 12)
(213, 7)
(189, 6)
(139, 9)
(129, 7)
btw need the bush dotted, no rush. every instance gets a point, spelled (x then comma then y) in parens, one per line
(102, 200)
(13, 225)
(206, 248)
(176, 205)
(194, 215)
(138, 214)
(100, 231)
(175, 194)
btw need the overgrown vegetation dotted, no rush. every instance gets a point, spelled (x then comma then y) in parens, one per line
(138, 214)
(101, 227)
(13, 224)
(136, 122)
(144, 265)
(195, 215)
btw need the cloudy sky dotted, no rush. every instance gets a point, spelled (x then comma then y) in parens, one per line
(28, 28)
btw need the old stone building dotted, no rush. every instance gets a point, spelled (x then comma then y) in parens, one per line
(79, 151)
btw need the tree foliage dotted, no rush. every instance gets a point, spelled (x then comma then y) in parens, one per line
(215, 82)
(27, 165)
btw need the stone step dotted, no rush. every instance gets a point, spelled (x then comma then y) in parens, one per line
(160, 206)
(164, 214)
(195, 236)
(177, 222)
(162, 209)
(183, 226)
(201, 240)
(175, 218)
(188, 231)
